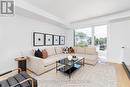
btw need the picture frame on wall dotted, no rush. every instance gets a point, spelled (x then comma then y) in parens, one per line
(62, 40)
(56, 40)
(38, 39)
(48, 39)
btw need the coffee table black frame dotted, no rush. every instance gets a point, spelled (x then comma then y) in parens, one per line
(69, 66)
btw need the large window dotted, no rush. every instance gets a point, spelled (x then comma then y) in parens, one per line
(83, 37)
(92, 36)
(100, 38)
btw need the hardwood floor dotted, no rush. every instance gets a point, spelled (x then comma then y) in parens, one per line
(123, 80)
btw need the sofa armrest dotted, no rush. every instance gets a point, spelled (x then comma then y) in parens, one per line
(35, 58)
(36, 65)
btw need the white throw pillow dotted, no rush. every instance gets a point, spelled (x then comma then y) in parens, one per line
(59, 50)
(50, 51)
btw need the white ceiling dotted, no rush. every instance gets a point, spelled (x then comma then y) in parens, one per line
(76, 10)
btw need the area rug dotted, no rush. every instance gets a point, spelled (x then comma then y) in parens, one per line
(101, 75)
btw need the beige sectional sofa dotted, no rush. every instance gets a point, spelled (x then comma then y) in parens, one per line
(40, 66)
(89, 53)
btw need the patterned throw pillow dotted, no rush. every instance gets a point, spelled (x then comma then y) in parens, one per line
(65, 50)
(45, 54)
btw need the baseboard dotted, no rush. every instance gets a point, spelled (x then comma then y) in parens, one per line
(115, 60)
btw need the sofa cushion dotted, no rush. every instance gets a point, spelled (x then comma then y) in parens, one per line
(4, 83)
(80, 55)
(12, 81)
(59, 50)
(61, 56)
(91, 62)
(26, 76)
(80, 50)
(49, 61)
(91, 57)
(44, 54)
(20, 78)
(90, 50)
(52, 59)
(50, 51)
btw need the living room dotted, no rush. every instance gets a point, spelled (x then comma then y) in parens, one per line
(63, 18)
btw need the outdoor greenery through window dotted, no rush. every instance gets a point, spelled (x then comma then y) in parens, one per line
(83, 37)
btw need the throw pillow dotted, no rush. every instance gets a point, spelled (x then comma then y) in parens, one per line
(71, 50)
(59, 50)
(51, 51)
(33, 52)
(65, 50)
(38, 53)
(45, 54)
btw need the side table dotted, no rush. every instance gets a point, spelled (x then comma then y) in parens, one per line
(22, 63)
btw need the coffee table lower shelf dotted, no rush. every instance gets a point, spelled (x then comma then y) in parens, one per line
(69, 69)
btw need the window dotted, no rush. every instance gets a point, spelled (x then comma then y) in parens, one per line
(83, 37)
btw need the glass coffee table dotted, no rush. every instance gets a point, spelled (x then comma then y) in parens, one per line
(69, 66)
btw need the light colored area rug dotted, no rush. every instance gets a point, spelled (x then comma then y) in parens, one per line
(101, 75)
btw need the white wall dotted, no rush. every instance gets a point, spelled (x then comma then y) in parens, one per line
(16, 36)
(70, 38)
(118, 37)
